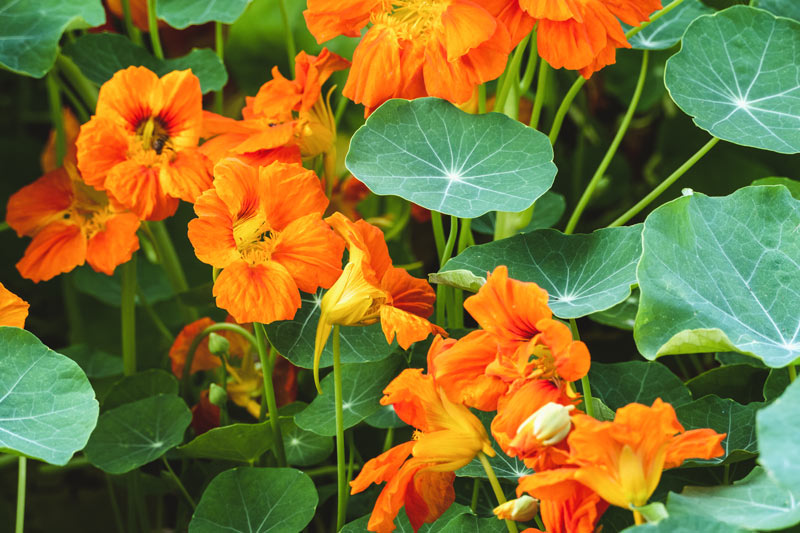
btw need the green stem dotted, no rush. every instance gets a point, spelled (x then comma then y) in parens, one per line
(77, 326)
(341, 477)
(541, 89)
(389, 440)
(219, 44)
(4, 226)
(114, 505)
(168, 256)
(152, 24)
(269, 391)
(290, 46)
(558, 121)
(157, 322)
(530, 68)
(438, 234)
(588, 401)
(498, 491)
(672, 178)
(128, 312)
(177, 481)
(451, 241)
(56, 116)
(792, 372)
(222, 326)
(77, 105)
(511, 75)
(130, 28)
(601, 169)
(83, 86)
(341, 105)
(482, 98)
(476, 485)
(657, 15)
(22, 474)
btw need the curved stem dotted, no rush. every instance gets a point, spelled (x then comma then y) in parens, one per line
(672, 178)
(530, 68)
(130, 28)
(219, 44)
(152, 24)
(792, 372)
(54, 99)
(21, 478)
(341, 474)
(601, 169)
(290, 46)
(657, 15)
(177, 481)
(269, 391)
(558, 121)
(588, 400)
(438, 234)
(541, 89)
(187, 365)
(498, 491)
(83, 86)
(128, 312)
(511, 75)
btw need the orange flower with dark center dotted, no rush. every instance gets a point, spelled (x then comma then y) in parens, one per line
(70, 223)
(141, 145)
(448, 437)
(13, 309)
(263, 227)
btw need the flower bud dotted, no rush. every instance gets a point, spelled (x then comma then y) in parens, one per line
(218, 345)
(550, 424)
(217, 395)
(522, 509)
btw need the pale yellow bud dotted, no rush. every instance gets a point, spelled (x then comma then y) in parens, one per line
(521, 509)
(550, 424)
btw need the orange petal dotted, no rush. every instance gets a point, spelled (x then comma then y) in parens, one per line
(40, 203)
(392, 498)
(633, 12)
(466, 25)
(130, 96)
(113, 245)
(552, 9)
(445, 79)
(14, 310)
(408, 328)
(56, 249)
(558, 484)
(429, 496)
(139, 188)
(376, 72)
(365, 237)
(694, 444)
(182, 108)
(409, 294)
(71, 129)
(211, 234)
(381, 468)
(514, 408)
(102, 145)
(289, 192)
(414, 399)
(257, 293)
(328, 18)
(203, 359)
(187, 176)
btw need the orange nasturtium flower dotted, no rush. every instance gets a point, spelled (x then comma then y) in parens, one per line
(448, 437)
(371, 289)
(70, 223)
(622, 460)
(263, 227)
(416, 48)
(576, 509)
(13, 309)
(141, 145)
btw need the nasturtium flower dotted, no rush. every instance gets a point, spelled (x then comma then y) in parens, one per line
(70, 223)
(370, 289)
(13, 309)
(574, 509)
(141, 145)
(448, 437)
(519, 509)
(263, 227)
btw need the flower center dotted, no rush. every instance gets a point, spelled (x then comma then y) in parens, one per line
(414, 19)
(254, 238)
(153, 135)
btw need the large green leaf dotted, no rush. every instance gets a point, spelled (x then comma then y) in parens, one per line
(304, 448)
(362, 388)
(792, 185)
(737, 75)
(668, 30)
(435, 155)
(619, 384)
(30, 30)
(720, 274)
(100, 55)
(237, 442)
(776, 383)
(138, 386)
(755, 502)
(137, 433)
(47, 406)
(582, 274)
(469, 523)
(403, 525)
(504, 467)
(741, 382)
(685, 524)
(782, 8)
(256, 500)
(779, 438)
(183, 13)
(723, 416)
(294, 339)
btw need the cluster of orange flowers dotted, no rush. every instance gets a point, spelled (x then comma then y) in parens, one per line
(522, 364)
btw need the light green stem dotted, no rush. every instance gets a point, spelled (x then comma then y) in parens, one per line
(54, 99)
(476, 485)
(601, 169)
(341, 474)
(130, 28)
(269, 391)
(558, 121)
(588, 401)
(87, 90)
(511, 75)
(792, 372)
(219, 44)
(438, 234)
(22, 473)
(657, 15)
(128, 312)
(389, 439)
(482, 98)
(290, 46)
(152, 24)
(672, 178)
(4, 226)
(530, 68)
(114, 505)
(177, 481)
(541, 89)
(222, 326)
(498, 491)
(168, 256)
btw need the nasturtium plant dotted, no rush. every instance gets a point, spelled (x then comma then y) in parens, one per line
(668, 30)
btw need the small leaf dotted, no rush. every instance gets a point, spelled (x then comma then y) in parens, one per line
(667, 31)
(184, 13)
(582, 274)
(294, 339)
(720, 274)
(30, 31)
(619, 384)
(249, 500)
(776, 383)
(504, 467)
(47, 406)
(237, 442)
(139, 386)
(384, 418)
(96, 363)
(137, 433)
(460, 279)
(737, 76)
(304, 448)
(652, 512)
(435, 155)
(723, 416)
(362, 388)
(685, 524)
(734, 358)
(779, 439)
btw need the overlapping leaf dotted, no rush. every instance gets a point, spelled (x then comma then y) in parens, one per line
(724, 416)
(138, 386)
(504, 467)
(685, 524)
(668, 29)
(720, 274)
(782, 8)
(184, 13)
(619, 384)
(237, 442)
(779, 439)
(431, 153)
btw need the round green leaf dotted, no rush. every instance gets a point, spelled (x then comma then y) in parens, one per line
(100, 55)
(362, 388)
(667, 31)
(384, 418)
(139, 386)
(720, 274)
(582, 274)
(184, 13)
(47, 406)
(779, 439)
(237, 442)
(435, 155)
(304, 448)
(618, 384)
(96, 363)
(782, 8)
(685, 524)
(741, 382)
(723, 416)
(30, 31)
(137, 433)
(294, 339)
(256, 500)
(504, 467)
(737, 75)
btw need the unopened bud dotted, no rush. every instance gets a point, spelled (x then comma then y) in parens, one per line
(522, 509)
(218, 345)
(550, 424)
(217, 395)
